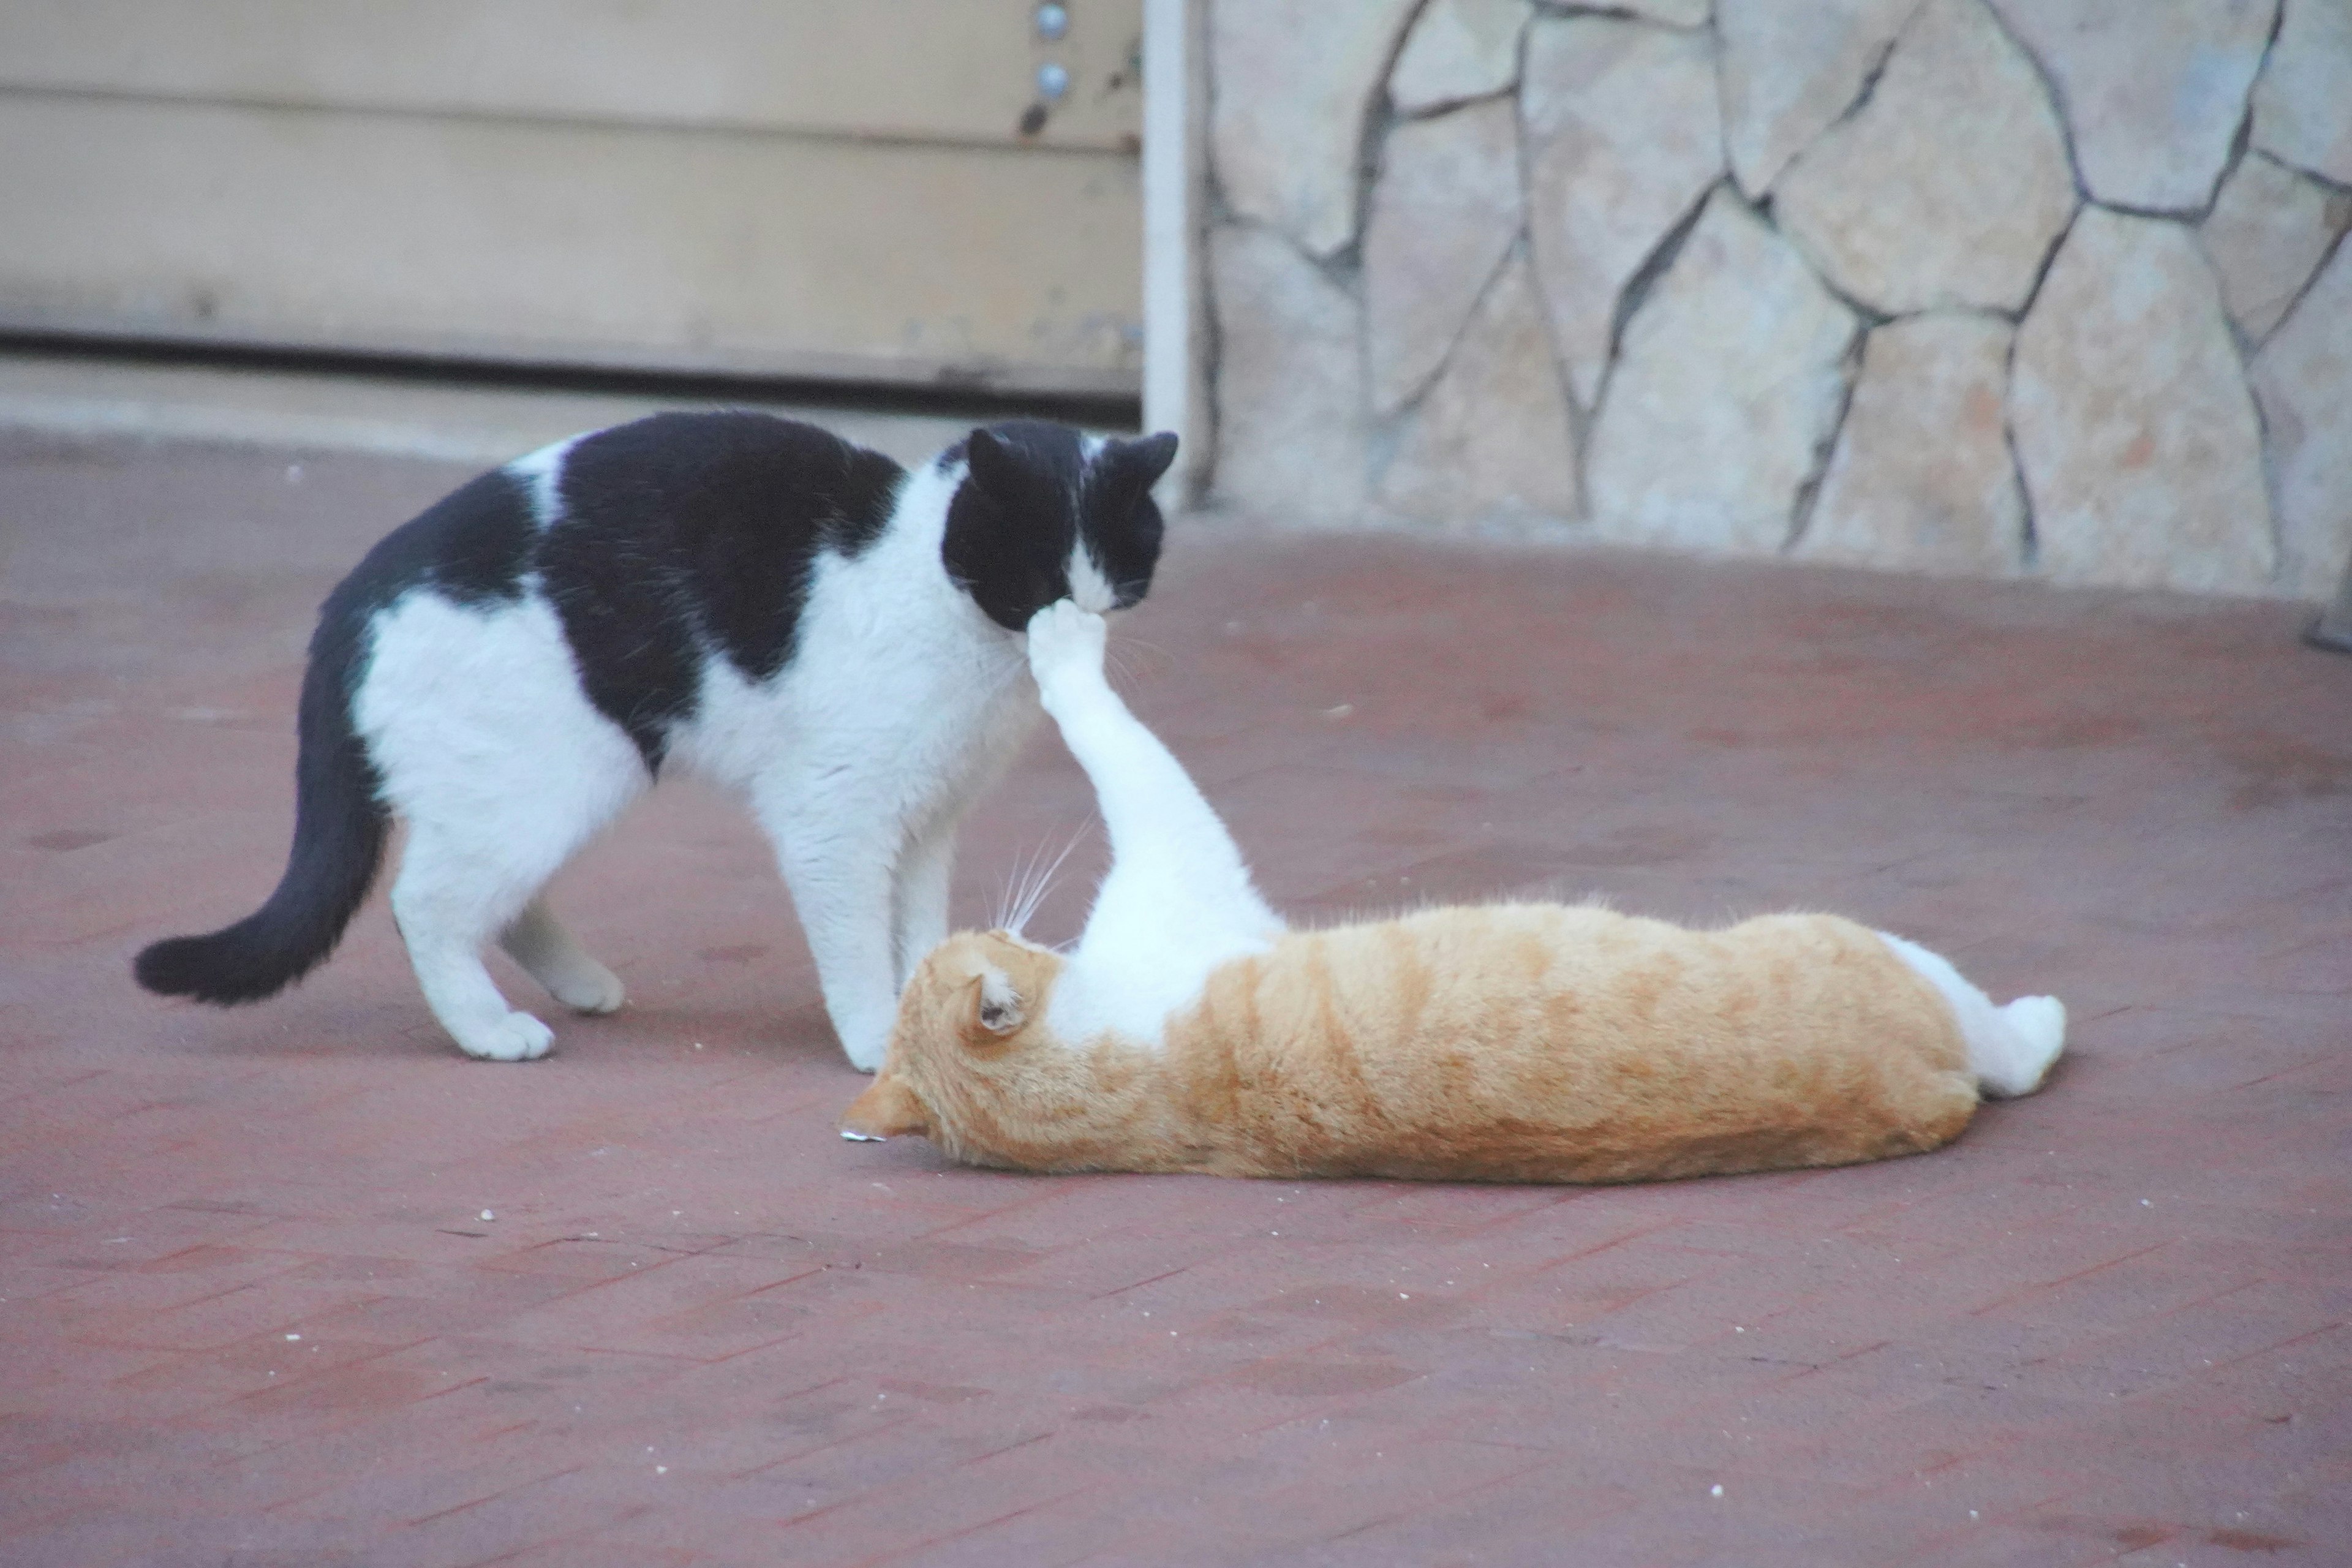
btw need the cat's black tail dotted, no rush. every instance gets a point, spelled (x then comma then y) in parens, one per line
(340, 827)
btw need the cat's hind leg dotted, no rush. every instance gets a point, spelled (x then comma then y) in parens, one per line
(1174, 869)
(1178, 899)
(469, 879)
(552, 955)
(450, 899)
(475, 719)
(2010, 1049)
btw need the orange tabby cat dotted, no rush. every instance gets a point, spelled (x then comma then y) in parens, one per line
(1189, 1031)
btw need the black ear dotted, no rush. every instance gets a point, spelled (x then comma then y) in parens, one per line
(1142, 461)
(990, 464)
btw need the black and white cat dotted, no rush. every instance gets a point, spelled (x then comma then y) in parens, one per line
(796, 617)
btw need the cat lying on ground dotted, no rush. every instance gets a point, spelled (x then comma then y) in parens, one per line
(1189, 1031)
(798, 618)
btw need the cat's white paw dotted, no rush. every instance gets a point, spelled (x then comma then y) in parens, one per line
(1066, 647)
(517, 1038)
(2039, 1023)
(590, 988)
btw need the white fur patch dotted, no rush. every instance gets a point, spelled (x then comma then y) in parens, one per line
(1088, 587)
(542, 473)
(479, 713)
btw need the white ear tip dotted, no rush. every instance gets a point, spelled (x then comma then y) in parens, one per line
(862, 1137)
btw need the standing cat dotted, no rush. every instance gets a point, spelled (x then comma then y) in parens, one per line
(793, 616)
(1191, 1031)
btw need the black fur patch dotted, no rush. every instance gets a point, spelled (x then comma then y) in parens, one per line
(692, 532)
(1030, 493)
(474, 545)
(1014, 519)
(1122, 521)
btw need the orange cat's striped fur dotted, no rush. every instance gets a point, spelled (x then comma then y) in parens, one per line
(1509, 1042)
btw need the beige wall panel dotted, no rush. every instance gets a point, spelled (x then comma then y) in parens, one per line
(941, 69)
(570, 242)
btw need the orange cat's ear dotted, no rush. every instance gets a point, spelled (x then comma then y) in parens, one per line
(887, 1108)
(996, 1008)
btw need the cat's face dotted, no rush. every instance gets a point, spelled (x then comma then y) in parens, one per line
(1046, 514)
(960, 1050)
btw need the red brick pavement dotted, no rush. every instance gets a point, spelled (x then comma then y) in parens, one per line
(250, 1312)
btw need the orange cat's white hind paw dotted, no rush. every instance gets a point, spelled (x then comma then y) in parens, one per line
(1066, 651)
(2009, 1048)
(2037, 1027)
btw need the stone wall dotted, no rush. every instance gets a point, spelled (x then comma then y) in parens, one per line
(2046, 286)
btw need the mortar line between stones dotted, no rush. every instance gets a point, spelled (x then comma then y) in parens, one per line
(1579, 425)
(2245, 138)
(2272, 492)
(1636, 291)
(2051, 94)
(1809, 488)
(1619, 14)
(2029, 544)
(1863, 94)
(2041, 271)
(1380, 118)
(1420, 394)
(2296, 304)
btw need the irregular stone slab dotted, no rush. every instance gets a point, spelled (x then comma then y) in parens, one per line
(1492, 442)
(2154, 90)
(1727, 393)
(1948, 187)
(1790, 71)
(1291, 83)
(2303, 105)
(1623, 140)
(1922, 480)
(1444, 211)
(1289, 382)
(1460, 49)
(2268, 229)
(2135, 429)
(2304, 377)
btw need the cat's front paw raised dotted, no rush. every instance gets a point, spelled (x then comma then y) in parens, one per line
(1065, 647)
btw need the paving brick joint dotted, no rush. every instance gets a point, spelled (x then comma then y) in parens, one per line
(294, 1284)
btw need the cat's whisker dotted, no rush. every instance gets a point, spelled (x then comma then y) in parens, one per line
(1016, 888)
(1126, 644)
(1043, 883)
(1004, 901)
